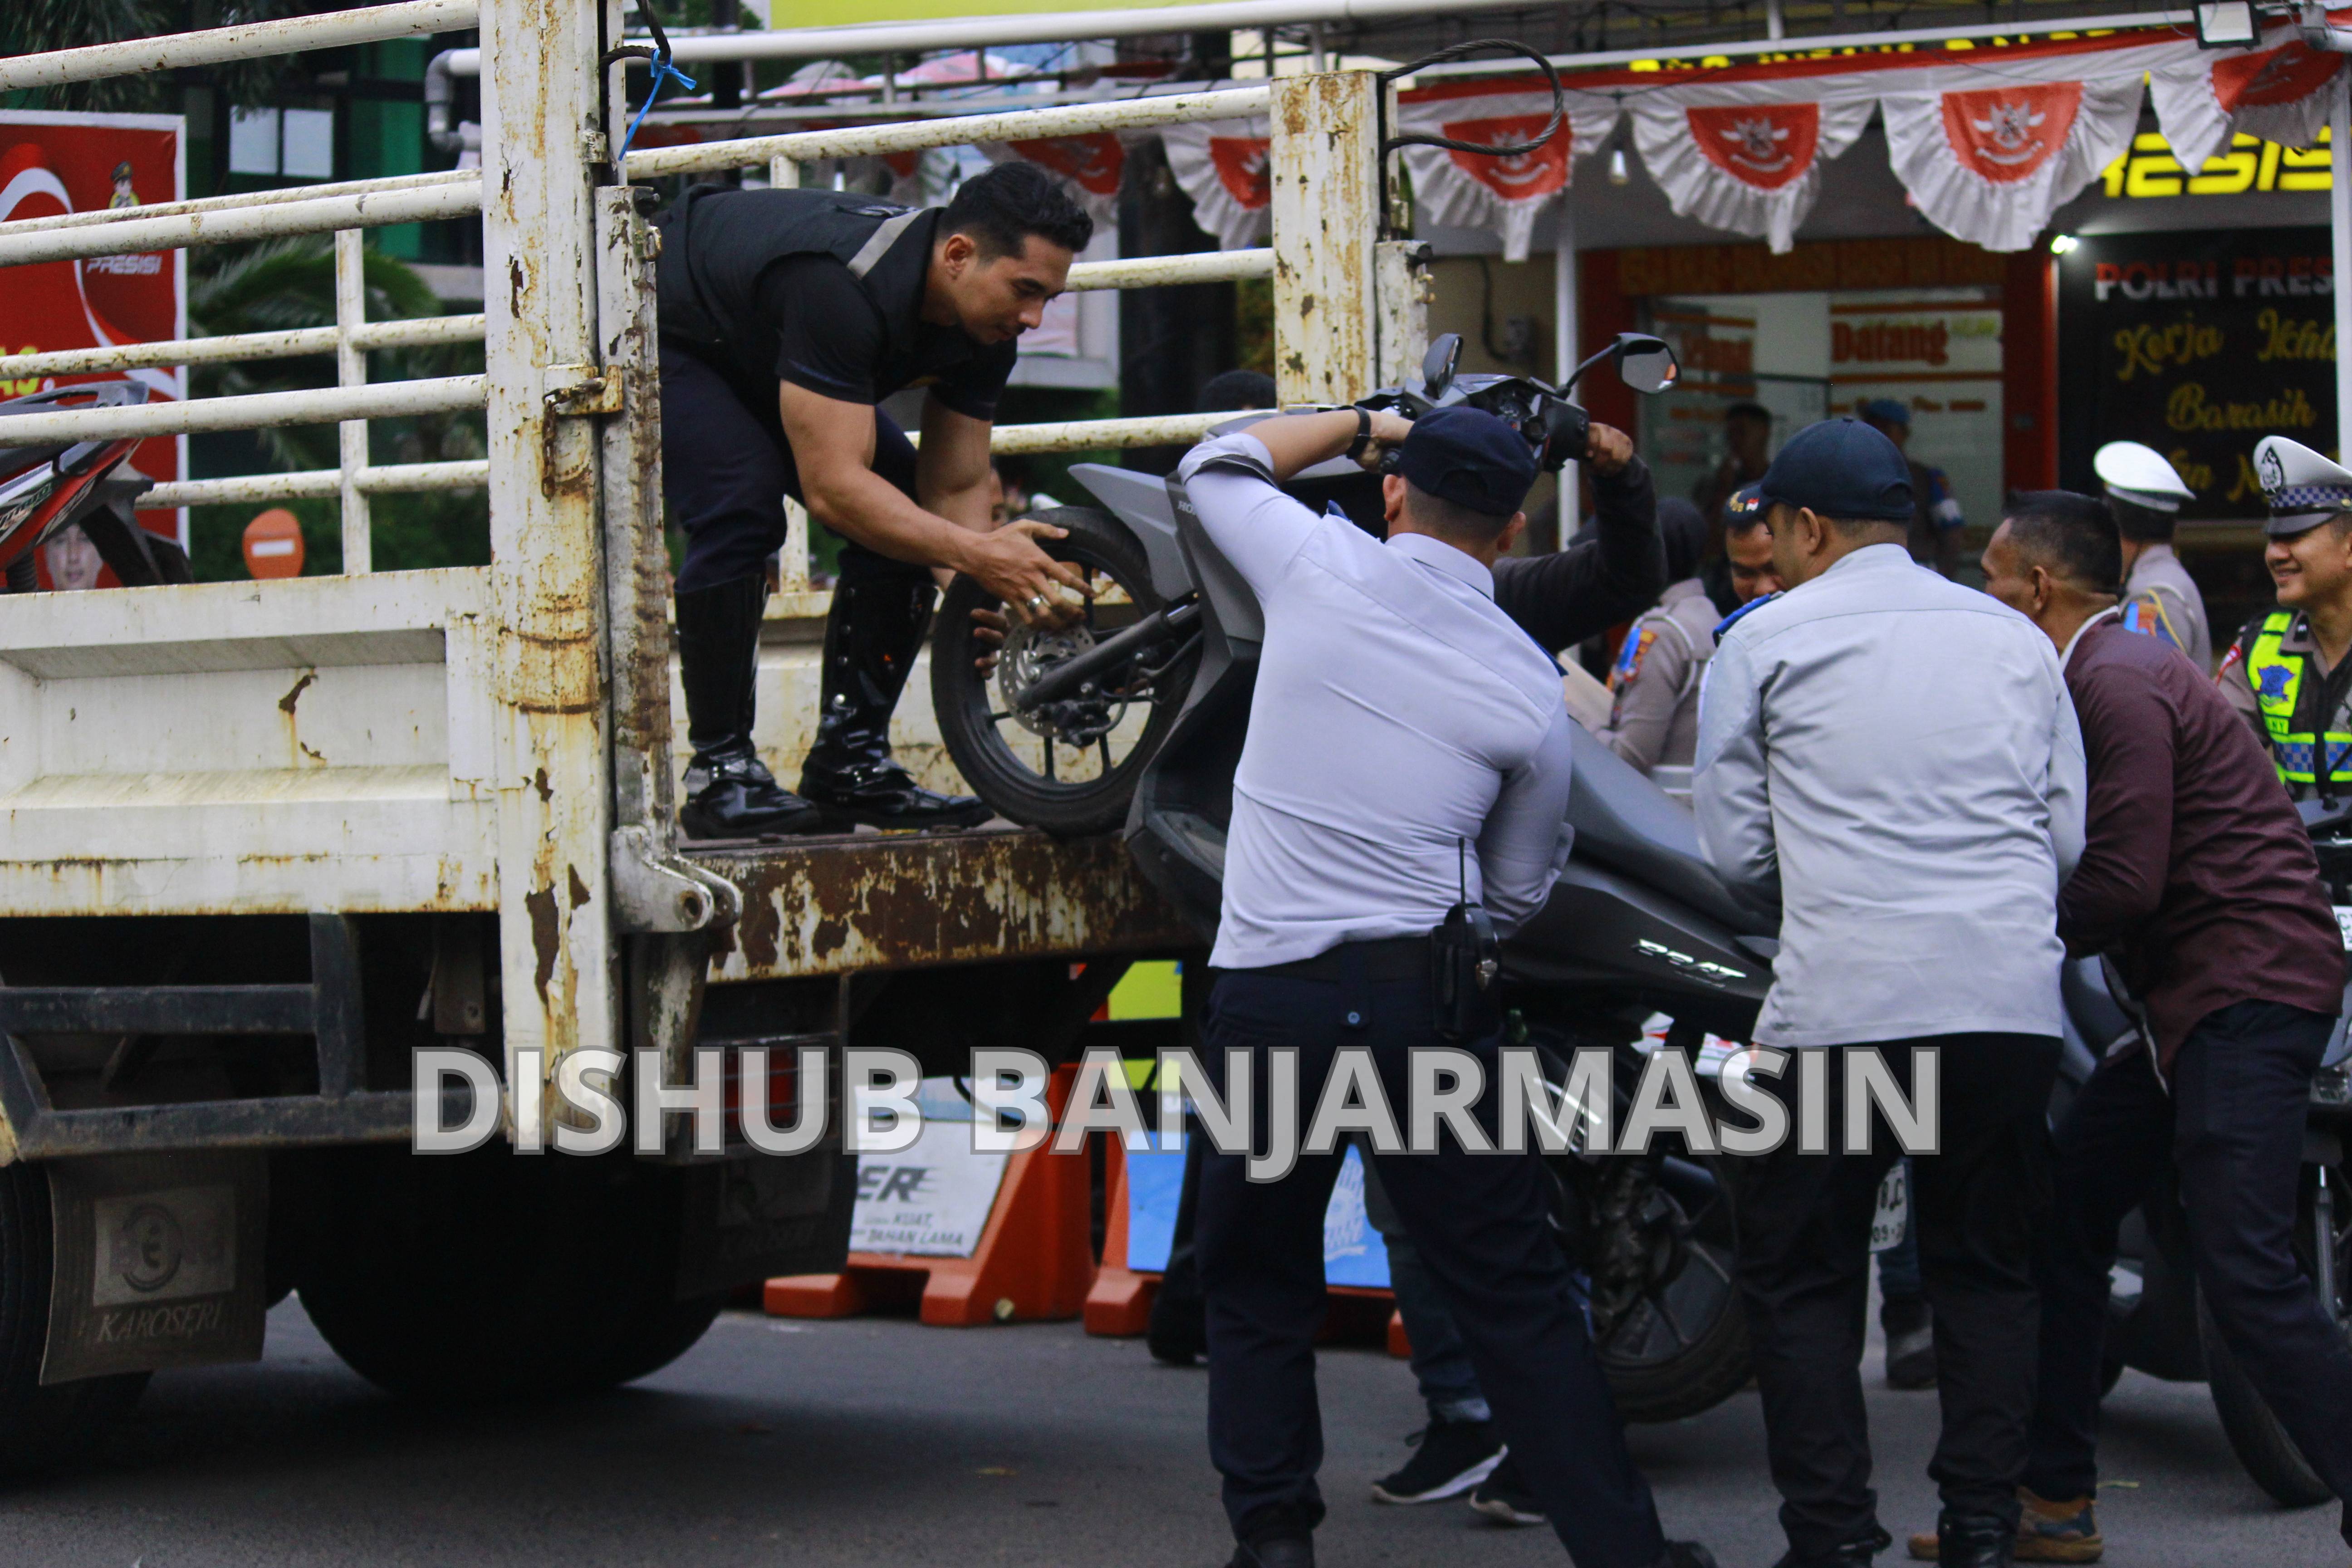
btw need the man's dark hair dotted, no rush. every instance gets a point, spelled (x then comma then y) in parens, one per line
(1236, 389)
(2072, 537)
(2141, 524)
(1451, 519)
(1002, 208)
(1747, 411)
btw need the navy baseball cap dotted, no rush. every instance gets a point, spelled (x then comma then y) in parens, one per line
(1886, 411)
(1470, 457)
(1843, 468)
(1745, 508)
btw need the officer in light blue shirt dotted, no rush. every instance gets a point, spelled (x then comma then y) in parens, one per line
(1892, 761)
(1405, 737)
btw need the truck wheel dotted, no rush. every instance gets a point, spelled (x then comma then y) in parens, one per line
(493, 1275)
(663, 1332)
(41, 1427)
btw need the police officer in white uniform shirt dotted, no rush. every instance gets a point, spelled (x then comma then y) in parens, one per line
(1405, 735)
(2160, 599)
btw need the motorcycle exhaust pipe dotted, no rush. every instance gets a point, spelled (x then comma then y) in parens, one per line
(1064, 680)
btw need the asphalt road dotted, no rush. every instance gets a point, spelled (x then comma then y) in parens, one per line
(880, 1442)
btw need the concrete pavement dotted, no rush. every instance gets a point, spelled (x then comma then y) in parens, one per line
(871, 1442)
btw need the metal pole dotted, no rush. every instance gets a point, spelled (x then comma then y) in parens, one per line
(793, 565)
(1258, 16)
(2339, 233)
(1776, 26)
(351, 370)
(1326, 167)
(551, 774)
(1566, 349)
(246, 41)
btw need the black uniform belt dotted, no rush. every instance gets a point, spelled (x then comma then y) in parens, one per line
(1389, 959)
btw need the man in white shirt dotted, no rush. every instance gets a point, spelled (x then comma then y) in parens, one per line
(1892, 761)
(1405, 735)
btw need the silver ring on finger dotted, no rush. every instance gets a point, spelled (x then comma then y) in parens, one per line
(1036, 604)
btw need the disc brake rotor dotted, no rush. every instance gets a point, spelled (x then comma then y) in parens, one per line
(1028, 653)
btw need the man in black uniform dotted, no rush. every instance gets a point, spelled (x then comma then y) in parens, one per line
(785, 316)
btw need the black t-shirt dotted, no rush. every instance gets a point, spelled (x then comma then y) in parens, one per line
(815, 327)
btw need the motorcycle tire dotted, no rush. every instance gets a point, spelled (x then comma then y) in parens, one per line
(2262, 1445)
(976, 730)
(1683, 1348)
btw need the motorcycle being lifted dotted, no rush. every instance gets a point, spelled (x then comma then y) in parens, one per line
(49, 486)
(1137, 715)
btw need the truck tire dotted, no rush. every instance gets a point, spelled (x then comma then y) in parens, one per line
(664, 1331)
(492, 1277)
(41, 1427)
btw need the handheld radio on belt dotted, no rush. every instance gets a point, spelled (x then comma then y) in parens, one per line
(1465, 957)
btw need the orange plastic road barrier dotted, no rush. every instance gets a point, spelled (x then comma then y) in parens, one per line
(1118, 1305)
(1034, 1262)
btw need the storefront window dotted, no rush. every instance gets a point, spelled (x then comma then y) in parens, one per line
(1801, 357)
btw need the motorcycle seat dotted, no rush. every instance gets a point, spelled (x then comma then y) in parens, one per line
(1627, 824)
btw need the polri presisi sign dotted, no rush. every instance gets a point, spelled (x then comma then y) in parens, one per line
(52, 164)
(2198, 343)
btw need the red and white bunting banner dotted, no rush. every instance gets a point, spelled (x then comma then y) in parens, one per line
(1090, 167)
(1225, 167)
(1743, 158)
(1481, 190)
(1987, 161)
(2275, 91)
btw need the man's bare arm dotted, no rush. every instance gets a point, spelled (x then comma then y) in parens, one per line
(833, 446)
(951, 467)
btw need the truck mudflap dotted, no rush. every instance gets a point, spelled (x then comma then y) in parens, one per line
(158, 1262)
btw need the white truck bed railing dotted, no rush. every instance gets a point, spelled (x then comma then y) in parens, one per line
(347, 208)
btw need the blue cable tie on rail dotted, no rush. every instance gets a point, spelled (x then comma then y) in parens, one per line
(663, 71)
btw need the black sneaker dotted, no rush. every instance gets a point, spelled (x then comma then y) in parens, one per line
(1453, 1457)
(1505, 1499)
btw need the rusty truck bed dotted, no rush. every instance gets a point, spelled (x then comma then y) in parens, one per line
(878, 901)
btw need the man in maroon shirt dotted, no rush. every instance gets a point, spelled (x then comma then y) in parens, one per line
(2198, 884)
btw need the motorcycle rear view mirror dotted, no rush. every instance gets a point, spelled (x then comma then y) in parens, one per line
(1438, 365)
(1645, 363)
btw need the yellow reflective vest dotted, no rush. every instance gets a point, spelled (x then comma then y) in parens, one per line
(2276, 675)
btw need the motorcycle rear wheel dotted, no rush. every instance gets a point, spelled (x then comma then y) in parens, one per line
(2262, 1445)
(1071, 767)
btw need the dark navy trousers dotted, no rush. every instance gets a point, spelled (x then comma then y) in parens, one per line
(1481, 1223)
(2233, 1127)
(727, 468)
